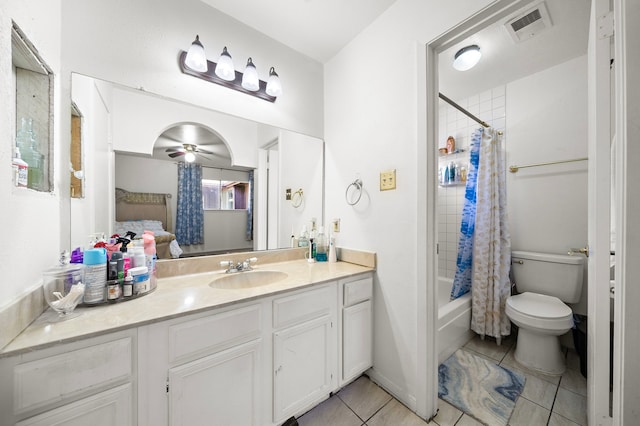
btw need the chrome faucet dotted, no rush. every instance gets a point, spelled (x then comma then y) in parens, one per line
(239, 266)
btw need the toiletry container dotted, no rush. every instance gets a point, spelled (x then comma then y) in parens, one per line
(57, 285)
(303, 241)
(150, 254)
(321, 246)
(21, 170)
(141, 281)
(332, 250)
(95, 275)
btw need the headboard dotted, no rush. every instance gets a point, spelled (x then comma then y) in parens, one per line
(143, 205)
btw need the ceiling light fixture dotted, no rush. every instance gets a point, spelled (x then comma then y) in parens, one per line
(189, 157)
(195, 63)
(467, 57)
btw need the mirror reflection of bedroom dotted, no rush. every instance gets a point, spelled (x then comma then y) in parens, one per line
(197, 178)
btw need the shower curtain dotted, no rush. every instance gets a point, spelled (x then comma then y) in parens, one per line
(462, 279)
(190, 215)
(492, 245)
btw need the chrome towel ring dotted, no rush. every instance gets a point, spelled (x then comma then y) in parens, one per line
(297, 198)
(356, 192)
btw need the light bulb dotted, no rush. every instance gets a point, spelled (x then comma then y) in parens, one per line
(196, 58)
(250, 79)
(224, 67)
(274, 87)
(189, 157)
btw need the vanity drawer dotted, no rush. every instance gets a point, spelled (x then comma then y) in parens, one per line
(213, 333)
(303, 306)
(61, 377)
(358, 291)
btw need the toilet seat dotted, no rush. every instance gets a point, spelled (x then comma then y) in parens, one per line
(538, 311)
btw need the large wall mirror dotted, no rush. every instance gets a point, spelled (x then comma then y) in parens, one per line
(135, 141)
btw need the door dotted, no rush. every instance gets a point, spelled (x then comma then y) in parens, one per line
(356, 340)
(217, 390)
(599, 200)
(302, 360)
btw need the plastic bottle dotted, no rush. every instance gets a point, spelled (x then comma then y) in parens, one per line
(150, 254)
(311, 255)
(303, 241)
(28, 146)
(21, 170)
(95, 275)
(127, 286)
(321, 246)
(114, 291)
(452, 172)
(332, 250)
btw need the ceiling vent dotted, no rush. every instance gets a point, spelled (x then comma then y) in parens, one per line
(529, 24)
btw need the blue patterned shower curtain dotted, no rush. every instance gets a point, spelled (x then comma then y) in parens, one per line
(462, 280)
(190, 216)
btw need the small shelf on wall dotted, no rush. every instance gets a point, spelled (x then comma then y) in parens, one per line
(445, 185)
(447, 154)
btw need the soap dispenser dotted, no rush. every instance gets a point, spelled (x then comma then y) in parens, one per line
(303, 241)
(321, 246)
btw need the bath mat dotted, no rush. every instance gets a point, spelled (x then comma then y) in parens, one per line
(479, 388)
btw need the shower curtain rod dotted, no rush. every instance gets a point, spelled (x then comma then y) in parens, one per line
(462, 110)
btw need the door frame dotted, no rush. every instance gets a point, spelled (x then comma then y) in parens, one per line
(428, 272)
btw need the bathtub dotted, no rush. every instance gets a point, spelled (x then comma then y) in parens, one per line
(454, 319)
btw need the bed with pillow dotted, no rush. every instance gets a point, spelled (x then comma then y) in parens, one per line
(143, 211)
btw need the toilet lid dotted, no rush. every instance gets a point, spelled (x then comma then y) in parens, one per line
(539, 305)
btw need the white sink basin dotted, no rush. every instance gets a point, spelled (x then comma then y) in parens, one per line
(249, 279)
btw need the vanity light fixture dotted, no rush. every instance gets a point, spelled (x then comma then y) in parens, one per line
(194, 63)
(467, 57)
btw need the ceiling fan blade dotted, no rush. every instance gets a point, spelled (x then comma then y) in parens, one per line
(202, 150)
(174, 149)
(176, 154)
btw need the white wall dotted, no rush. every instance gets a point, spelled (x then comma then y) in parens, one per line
(139, 118)
(371, 125)
(137, 44)
(34, 225)
(547, 121)
(301, 167)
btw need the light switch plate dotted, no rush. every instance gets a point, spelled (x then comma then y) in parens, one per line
(388, 180)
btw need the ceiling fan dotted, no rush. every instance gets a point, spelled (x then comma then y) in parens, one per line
(188, 150)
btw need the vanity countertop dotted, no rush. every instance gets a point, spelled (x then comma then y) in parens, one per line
(174, 297)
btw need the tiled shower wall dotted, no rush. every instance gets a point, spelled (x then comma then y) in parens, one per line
(490, 107)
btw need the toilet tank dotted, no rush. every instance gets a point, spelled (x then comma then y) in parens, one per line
(558, 275)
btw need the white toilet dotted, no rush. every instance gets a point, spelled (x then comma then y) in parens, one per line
(545, 282)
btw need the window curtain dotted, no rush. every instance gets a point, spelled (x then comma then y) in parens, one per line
(190, 216)
(462, 279)
(249, 236)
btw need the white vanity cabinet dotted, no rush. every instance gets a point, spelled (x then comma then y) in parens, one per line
(89, 382)
(304, 350)
(203, 369)
(357, 326)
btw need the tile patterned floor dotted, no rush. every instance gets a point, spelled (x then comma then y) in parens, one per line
(545, 400)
